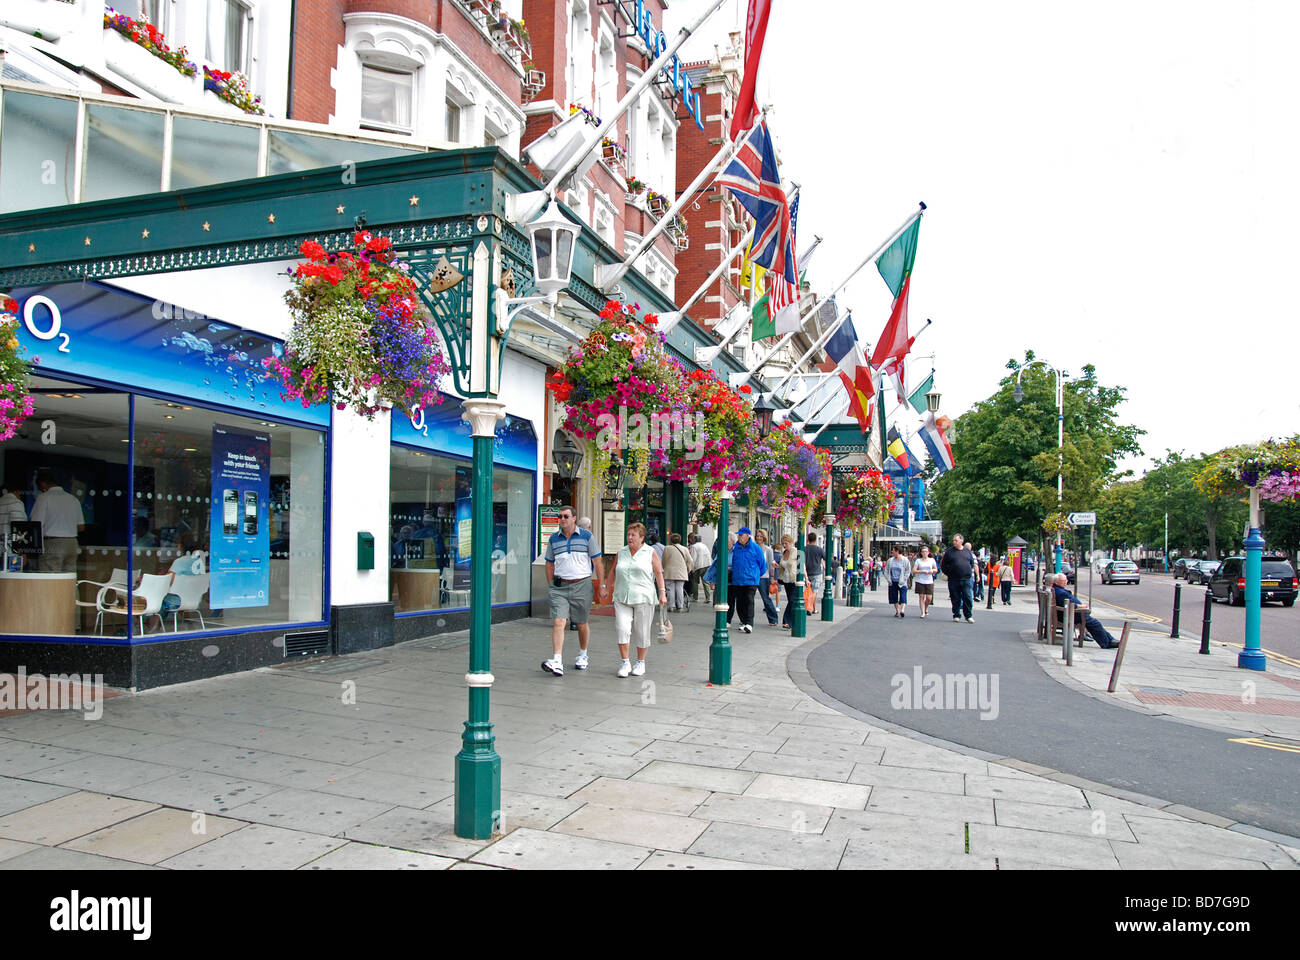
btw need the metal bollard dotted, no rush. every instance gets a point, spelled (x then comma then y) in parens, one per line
(1178, 605)
(1067, 634)
(1205, 622)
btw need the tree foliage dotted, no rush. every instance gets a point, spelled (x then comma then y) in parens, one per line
(1004, 480)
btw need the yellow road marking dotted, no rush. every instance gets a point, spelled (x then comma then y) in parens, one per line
(1271, 654)
(1149, 618)
(1257, 742)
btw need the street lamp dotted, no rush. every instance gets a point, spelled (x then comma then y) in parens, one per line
(763, 412)
(479, 347)
(932, 401)
(567, 456)
(1019, 397)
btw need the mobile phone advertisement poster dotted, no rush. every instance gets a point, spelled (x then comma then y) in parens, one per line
(241, 538)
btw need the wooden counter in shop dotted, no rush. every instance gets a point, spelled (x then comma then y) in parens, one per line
(38, 603)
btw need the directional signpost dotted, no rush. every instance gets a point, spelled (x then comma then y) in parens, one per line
(1088, 520)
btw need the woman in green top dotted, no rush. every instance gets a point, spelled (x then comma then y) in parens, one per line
(636, 572)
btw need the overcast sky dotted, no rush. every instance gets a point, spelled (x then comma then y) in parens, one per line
(1107, 183)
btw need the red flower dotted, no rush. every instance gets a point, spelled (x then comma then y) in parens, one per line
(9, 305)
(312, 250)
(745, 388)
(379, 244)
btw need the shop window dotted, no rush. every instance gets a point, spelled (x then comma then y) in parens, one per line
(429, 532)
(387, 99)
(454, 111)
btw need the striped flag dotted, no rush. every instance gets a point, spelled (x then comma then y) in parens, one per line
(895, 266)
(785, 290)
(754, 180)
(843, 348)
(860, 389)
(934, 436)
(897, 449)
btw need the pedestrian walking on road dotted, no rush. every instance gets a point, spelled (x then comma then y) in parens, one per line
(924, 570)
(897, 574)
(992, 575)
(815, 563)
(676, 561)
(747, 563)
(572, 554)
(957, 565)
(637, 571)
(977, 575)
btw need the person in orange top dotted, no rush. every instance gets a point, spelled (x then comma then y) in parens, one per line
(993, 582)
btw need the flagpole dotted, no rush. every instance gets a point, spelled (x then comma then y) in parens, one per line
(829, 420)
(804, 257)
(832, 381)
(826, 335)
(744, 377)
(665, 323)
(609, 274)
(824, 404)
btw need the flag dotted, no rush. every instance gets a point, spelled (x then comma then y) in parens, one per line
(755, 31)
(917, 399)
(843, 348)
(895, 266)
(762, 315)
(895, 370)
(785, 289)
(935, 439)
(860, 390)
(897, 449)
(754, 180)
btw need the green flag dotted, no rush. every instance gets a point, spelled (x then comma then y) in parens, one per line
(895, 264)
(764, 325)
(917, 399)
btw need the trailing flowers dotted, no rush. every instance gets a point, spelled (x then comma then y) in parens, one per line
(16, 404)
(232, 88)
(360, 337)
(781, 471)
(1272, 468)
(143, 33)
(867, 497)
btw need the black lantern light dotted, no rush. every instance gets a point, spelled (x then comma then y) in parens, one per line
(763, 411)
(568, 458)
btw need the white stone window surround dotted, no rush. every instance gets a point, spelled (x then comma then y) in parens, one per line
(604, 214)
(580, 68)
(652, 136)
(441, 71)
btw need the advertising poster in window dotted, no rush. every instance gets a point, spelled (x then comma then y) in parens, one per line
(464, 525)
(241, 539)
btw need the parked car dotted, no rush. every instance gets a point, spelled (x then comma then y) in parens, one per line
(1102, 566)
(1201, 571)
(1180, 566)
(1277, 581)
(1121, 571)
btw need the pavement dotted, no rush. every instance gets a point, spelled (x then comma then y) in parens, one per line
(347, 763)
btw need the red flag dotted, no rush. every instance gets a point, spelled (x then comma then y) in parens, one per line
(755, 31)
(893, 340)
(861, 390)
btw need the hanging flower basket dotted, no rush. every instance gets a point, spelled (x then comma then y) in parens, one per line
(16, 404)
(718, 425)
(634, 186)
(656, 203)
(867, 497)
(1272, 468)
(782, 472)
(613, 384)
(1056, 525)
(360, 337)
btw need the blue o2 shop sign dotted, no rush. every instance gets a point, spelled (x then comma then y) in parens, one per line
(657, 43)
(97, 332)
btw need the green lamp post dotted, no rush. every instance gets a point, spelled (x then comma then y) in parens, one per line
(828, 594)
(477, 350)
(720, 648)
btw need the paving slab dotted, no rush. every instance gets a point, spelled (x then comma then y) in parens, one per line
(824, 793)
(309, 811)
(1206, 839)
(792, 766)
(256, 847)
(57, 858)
(1090, 853)
(772, 814)
(735, 740)
(74, 815)
(1027, 791)
(425, 831)
(694, 753)
(635, 795)
(1077, 821)
(365, 856)
(155, 836)
(20, 757)
(537, 850)
(530, 810)
(664, 831)
(712, 779)
(16, 794)
(14, 848)
(921, 803)
(390, 788)
(198, 790)
(885, 855)
(1150, 856)
(821, 749)
(909, 778)
(527, 778)
(777, 848)
(666, 860)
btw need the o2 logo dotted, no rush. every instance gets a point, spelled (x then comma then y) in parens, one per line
(419, 424)
(55, 329)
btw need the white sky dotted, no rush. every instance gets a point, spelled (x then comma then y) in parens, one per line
(1114, 183)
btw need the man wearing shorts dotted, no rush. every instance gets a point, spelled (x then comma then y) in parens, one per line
(897, 572)
(571, 555)
(924, 569)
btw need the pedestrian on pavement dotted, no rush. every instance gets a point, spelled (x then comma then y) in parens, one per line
(977, 575)
(700, 559)
(765, 583)
(957, 565)
(572, 554)
(991, 574)
(815, 562)
(898, 571)
(788, 573)
(676, 562)
(924, 570)
(1007, 577)
(637, 571)
(1099, 634)
(746, 561)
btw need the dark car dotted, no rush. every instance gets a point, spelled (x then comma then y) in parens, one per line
(1180, 566)
(1277, 581)
(1121, 571)
(1201, 571)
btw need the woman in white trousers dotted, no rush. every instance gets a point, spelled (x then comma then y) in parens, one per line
(637, 570)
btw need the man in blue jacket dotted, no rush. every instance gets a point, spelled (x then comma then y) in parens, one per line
(747, 566)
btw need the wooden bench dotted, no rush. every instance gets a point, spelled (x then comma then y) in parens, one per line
(1051, 618)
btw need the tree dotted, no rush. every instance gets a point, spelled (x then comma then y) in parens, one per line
(1004, 479)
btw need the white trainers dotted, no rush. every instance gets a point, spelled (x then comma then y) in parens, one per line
(581, 662)
(970, 619)
(638, 669)
(624, 668)
(553, 666)
(746, 628)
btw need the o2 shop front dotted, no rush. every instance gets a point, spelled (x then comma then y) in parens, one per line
(175, 508)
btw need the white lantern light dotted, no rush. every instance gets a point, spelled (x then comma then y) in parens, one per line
(553, 237)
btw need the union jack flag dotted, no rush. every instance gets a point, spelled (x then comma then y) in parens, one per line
(753, 179)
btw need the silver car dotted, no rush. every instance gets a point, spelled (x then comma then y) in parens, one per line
(1121, 571)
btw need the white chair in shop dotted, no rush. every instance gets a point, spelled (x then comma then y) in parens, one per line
(191, 588)
(111, 591)
(147, 597)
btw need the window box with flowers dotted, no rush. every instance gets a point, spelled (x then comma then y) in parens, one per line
(232, 88)
(611, 152)
(635, 187)
(136, 49)
(656, 203)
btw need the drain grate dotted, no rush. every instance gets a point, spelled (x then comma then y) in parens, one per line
(1165, 690)
(343, 665)
(313, 644)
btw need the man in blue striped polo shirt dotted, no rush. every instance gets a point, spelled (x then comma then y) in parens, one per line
(571, 556)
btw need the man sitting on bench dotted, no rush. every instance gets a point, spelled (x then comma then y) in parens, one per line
(1095, 630)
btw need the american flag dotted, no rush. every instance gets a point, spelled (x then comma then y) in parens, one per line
(753, 179)
(785, 287)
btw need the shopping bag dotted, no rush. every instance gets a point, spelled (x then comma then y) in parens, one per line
(809, 598)
(665, 627)
(773, 588)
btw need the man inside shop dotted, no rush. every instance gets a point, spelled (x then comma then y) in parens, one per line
(61, 519)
